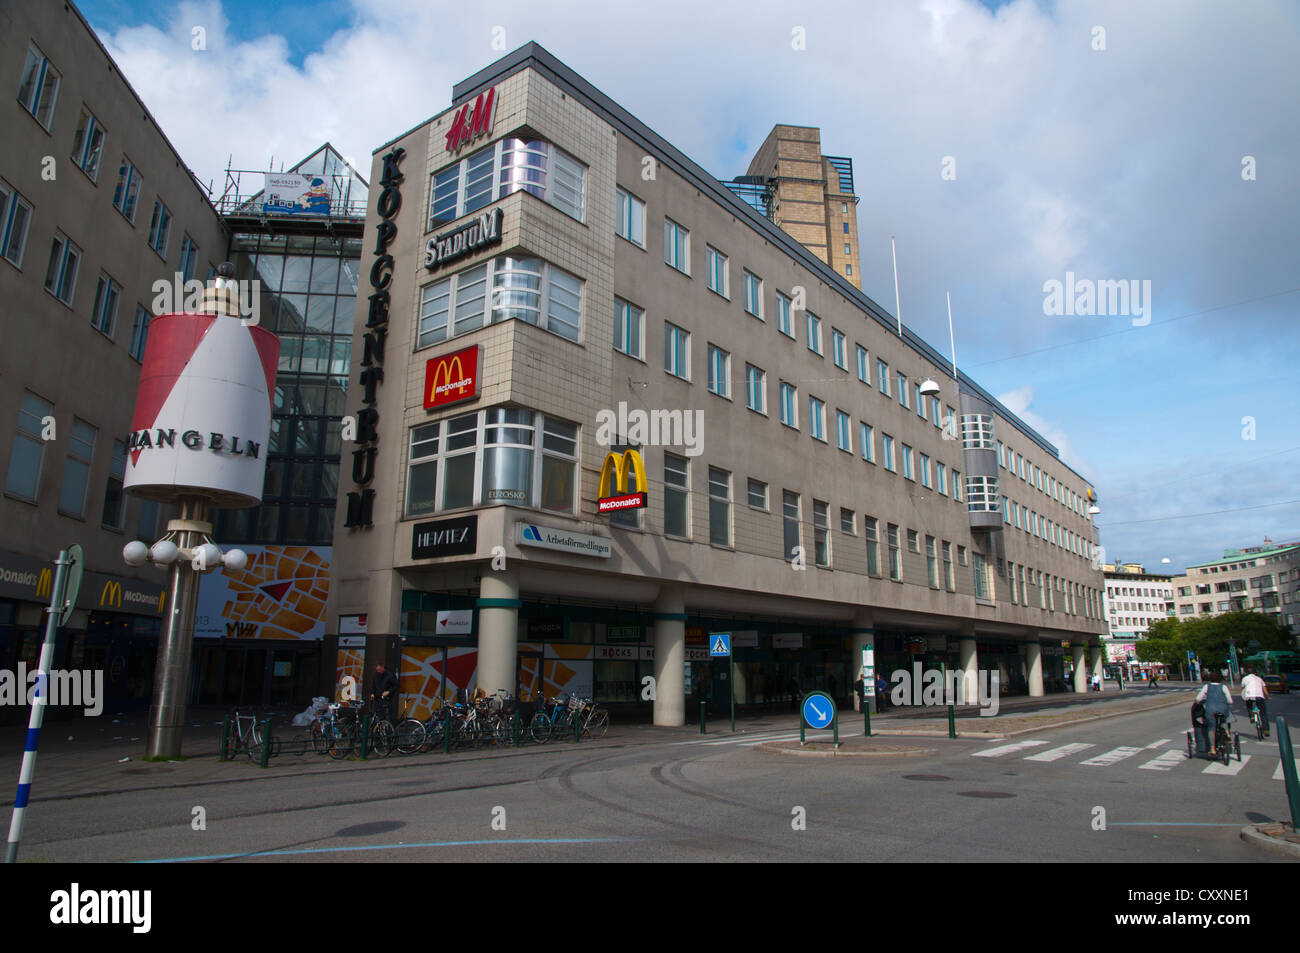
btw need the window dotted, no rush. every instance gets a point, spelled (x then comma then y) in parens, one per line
(757, 494)
(961, 555)
(114, 500)
(895, 558)
(628, 326)
(790, 522)
(629, 214)
(719, 507)
(1002, 458)
(716, 265)
(816, 418)
(843, 432)
(982, 493)
(902, 391)
(949, 580)
(821, 535)
(907, 463)
(913, 542)
(956, 485)
(76, 468)
(677, 351)
(1011, 578)
(789, 405)
(941, 479)
(528, 289)
(882, 376)
(15, 217)
(160, 228)
(189, 257)
(498, 455)
(755, 388)
(864, 374)
(719, 372)
(88, 144)
(140, 332)
(676, 495)
(931, 563)
(40, 87)
(872, 536)
(677, 246)
(887, 452)
(839, 350)
(981, 577)
(925, 471)
(61, 274)
(847, 248)
(977, 431)
(28, 450)
(867, 439)
(814, 333)
(784, 316)
(754, 294)
(127, 192)
(104, 315)
(934, 411)
(1024, 590)
(502, 168)
(848, 522)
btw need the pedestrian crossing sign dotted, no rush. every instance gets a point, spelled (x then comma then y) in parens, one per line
(720, 644)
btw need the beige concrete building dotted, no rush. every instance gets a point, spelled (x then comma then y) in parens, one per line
(1256, 579)
(546, 279)
(95, 206)
(1134, 600)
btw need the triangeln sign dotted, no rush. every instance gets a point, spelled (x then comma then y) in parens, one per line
(617, 468)
(451, 378)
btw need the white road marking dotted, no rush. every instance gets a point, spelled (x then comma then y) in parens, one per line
(1159, 744)
(1111, 757)
(1057, 754)
(1232, 768)
(761, 736)
(1277, 775)
(1007, 749)
(1166, 761)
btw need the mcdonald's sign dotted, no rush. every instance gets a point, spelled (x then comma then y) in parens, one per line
(43, 582)
(619, 467)
(451, 378)
(111, 594)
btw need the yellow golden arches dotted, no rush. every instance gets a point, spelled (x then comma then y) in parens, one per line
(619, 466)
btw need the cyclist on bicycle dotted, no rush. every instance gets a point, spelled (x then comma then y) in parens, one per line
(1255, 694)
(1217, 701)
(383, 690)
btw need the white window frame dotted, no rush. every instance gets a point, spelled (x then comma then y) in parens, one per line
(103, 314)
(677, 246)
(719, 372)
(753, 294)
(784, 315)
(12, 247)
(35, 102)
(839, 349)
(551, 168)
(88, 144)
(789, 395)
(817, 418)
(160, 228)
(717, 265)
(756, 389)
(126, 194)
(629, 217)
(57, 277)
(629, 329)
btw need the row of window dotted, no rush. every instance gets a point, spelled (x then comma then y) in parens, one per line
(1038, 525)
(502, 168)
(509, 286)
(1034, 475)
(27, 460)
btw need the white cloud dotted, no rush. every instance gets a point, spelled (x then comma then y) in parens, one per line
(1018, 401)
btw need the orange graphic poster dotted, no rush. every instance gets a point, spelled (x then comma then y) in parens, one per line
(423, 682)
(280, 594)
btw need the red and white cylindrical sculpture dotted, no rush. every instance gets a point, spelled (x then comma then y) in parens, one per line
(203, 410)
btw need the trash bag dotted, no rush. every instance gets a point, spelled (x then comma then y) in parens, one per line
(305, 718)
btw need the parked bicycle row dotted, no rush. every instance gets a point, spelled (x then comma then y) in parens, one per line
(341, 730)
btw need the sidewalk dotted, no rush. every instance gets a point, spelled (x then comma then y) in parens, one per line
(86, 757)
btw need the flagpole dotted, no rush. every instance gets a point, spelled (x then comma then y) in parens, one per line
(898, 307)
(951, 345)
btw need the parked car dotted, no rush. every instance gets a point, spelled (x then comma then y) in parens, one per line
(1276, 683)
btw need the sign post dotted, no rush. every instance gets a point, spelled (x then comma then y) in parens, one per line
(868, 685)
(69, 563)
(818, 711)
(720, 647)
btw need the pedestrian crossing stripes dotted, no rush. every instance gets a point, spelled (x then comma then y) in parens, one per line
(1001, 750)
(1111, 757)
(1165, 762)
(1231, 769)
(1056, 754)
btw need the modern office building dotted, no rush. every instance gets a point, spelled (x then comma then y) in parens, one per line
(1134, 600)
(96, 206)
(546, 281)
(1255, 578)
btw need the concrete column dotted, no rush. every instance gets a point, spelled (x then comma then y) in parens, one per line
(968, 658)
(862, 633)
(498, 627)
(1098, 655)
(1080, 669)
(1034, 664)
(739, 688)
(670, 658)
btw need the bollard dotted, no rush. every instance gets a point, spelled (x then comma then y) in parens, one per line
(225, 739)
(577, 726)
(866, 716)
(1289, 771)
(952, 723)
(266, 743)
(446, 734)
(702, 718)
(365, 737)
(515, 720)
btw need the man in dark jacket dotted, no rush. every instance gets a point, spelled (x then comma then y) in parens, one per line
(383, 691)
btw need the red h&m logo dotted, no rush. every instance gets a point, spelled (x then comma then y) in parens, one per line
(467, 127)
(451, 378)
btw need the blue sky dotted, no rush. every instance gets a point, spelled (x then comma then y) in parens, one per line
(1113, 155)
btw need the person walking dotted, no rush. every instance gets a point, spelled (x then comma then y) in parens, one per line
(882, 697)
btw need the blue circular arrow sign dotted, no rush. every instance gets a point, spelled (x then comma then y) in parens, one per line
(818, 710)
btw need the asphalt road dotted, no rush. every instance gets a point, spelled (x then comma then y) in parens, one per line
(1033, 798)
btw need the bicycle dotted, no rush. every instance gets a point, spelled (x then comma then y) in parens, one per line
(1257, 718)
(247, 736)
(595, 720)
(553, 716)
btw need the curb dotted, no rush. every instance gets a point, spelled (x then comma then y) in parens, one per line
(1252, 836)
(778, 748)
